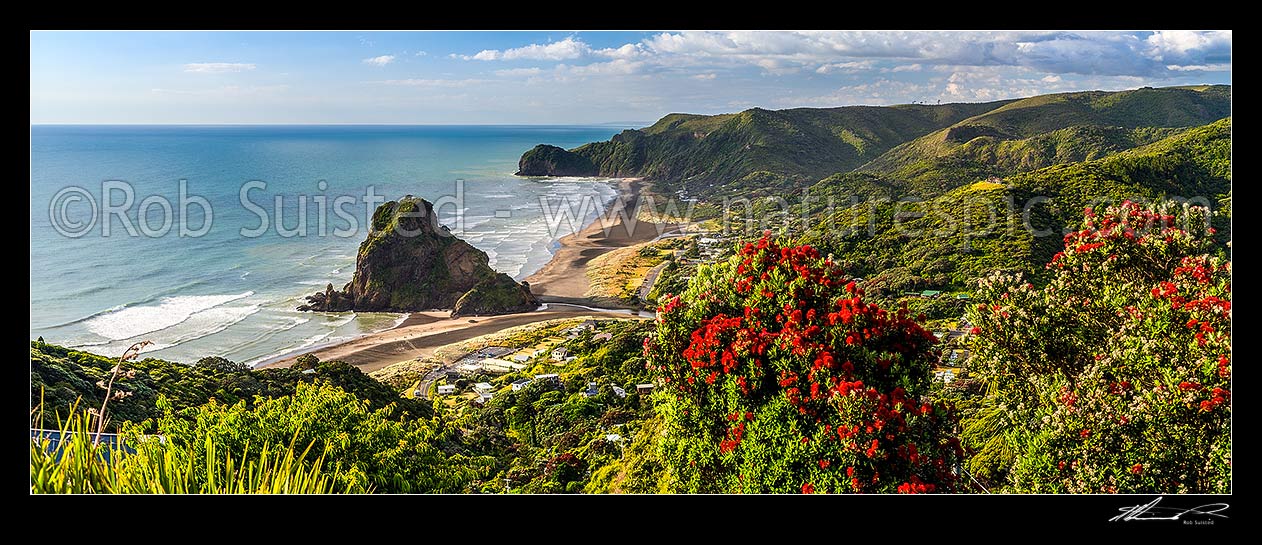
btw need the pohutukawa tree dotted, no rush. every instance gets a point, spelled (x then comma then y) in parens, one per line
(1116, 376)
(781, 378)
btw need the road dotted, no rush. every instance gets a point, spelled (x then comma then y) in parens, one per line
(650, 279)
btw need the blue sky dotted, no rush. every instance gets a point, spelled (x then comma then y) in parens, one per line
(577, 77)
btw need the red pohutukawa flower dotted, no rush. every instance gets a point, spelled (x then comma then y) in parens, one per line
(786, 339)
(1130, 333)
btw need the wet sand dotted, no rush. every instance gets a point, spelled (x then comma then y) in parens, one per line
(564, 277)
(425, 332)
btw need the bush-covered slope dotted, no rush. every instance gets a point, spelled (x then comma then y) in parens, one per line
(797, 145)
(956, 237)
(63, 375)
(1047, 130)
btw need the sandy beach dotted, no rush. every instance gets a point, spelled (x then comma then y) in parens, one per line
(425, 332)
(564, 278)
(562, 281)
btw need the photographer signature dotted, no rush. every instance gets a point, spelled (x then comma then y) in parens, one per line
(1151, 511)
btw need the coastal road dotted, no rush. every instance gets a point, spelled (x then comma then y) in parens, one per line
(650, 279)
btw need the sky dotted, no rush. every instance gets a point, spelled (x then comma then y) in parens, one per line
(564, 77)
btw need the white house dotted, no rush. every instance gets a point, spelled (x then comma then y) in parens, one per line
(559, 354)
(644, 388)
(518, 385)
(549, 377)
(602, 336)
(446, 389)
(619, 392)
(483, 387)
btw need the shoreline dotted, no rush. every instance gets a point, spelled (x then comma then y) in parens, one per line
(563, 279)
(561, 284)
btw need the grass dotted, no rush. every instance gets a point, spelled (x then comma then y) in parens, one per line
(618, 274)
(153, 465)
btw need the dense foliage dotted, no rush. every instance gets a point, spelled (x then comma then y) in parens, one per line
(1013, 225)
(551, 437)
(1116, 375)
(367, 447)
(781, 378)
(62, 377)
(77, 464)
(1046, 130)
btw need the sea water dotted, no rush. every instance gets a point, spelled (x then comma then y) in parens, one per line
(100, 284)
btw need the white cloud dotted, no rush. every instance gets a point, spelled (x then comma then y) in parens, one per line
(781, 53)
(612, 68)
(1088, 53)
(851, 67)
(218, 67)
(705, 77)
(421, 54)
(627, 51)
(379, 61)
(1182, 45)
(569, 48)
(1219, 67)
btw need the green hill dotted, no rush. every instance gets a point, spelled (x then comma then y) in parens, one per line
(968, 231)
(754, 147)
(1047, 130)
(925, 149)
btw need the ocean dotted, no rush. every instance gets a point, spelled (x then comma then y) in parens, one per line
(120, 249)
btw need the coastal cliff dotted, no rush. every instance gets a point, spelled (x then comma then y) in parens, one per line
(411, 263)
(546, 160)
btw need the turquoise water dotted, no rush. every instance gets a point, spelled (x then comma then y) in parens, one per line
(231, 293)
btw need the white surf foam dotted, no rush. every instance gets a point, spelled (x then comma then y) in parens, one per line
(131, 322)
